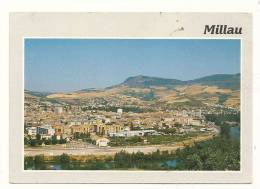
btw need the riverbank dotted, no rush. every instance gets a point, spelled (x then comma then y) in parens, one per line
(218, 153)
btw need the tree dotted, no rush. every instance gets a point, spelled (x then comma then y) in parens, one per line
(26, 141)
(122, 160)
(64, 158)
(54, 139)
(33, 142)
(47, 142)
(28, 162)
(38, 137)
(178, 125)
(39, 162)
(225, 131)
(63, 141)
(194, 162)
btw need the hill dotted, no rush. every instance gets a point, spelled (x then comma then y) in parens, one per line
(37, 94)
(226, 81)
(146, 82)
(148, 91)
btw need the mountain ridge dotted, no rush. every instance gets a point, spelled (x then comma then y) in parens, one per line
(145, 90)
(230, 81)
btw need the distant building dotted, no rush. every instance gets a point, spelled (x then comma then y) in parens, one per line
(195, 122)
(102, 142)
(99, 141)
(128, 133)
(119, 111)
(59, 130)
(87, 128)
(106, 120)
(58, 109)
(31, 131)
(184, 113)
(75, 122)
(45, 131)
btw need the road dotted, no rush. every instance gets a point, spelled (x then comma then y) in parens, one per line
(84, 150)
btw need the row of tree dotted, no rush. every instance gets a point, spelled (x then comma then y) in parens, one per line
(220, 119)
(219, 153)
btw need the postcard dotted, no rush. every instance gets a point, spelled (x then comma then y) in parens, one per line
(130, 98)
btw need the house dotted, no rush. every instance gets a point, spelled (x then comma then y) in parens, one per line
(59, 130)
(31, 131)
(119, 111)
(102, 142)
(45, 131)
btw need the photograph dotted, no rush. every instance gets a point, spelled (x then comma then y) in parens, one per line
(133, 104)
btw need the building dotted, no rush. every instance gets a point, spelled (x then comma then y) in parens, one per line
(31, 131)
(58, 109)
(119, 111)
(183, 120)
(59, 130)
(102, 142)
(75, 122)
(45, 131)
(128, 133)
(86, 128)
(195, 122)
(105, 129)
(99, 141)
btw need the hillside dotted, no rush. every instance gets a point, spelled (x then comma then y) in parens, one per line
(226, 81)
(145, 81)
(37, 94)
(143, 90)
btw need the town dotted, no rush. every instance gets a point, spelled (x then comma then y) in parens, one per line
(52, 123)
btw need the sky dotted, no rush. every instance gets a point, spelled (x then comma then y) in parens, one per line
(64, 65)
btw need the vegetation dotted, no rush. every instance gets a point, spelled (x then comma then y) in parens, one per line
(141, 95)
(150, 139)
(168, 139)
(222, 98)
(40, 141)
(190, 103)
(114, 109)
(220, 153)
(146, 82)
(84, 136)
(228, 81)
(121, 160)
(123, 141)
(168, 131)
(220, 119)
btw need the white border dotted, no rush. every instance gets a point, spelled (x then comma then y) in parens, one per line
(165, 177)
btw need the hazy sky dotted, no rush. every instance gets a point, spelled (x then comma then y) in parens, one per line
(74, 64)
